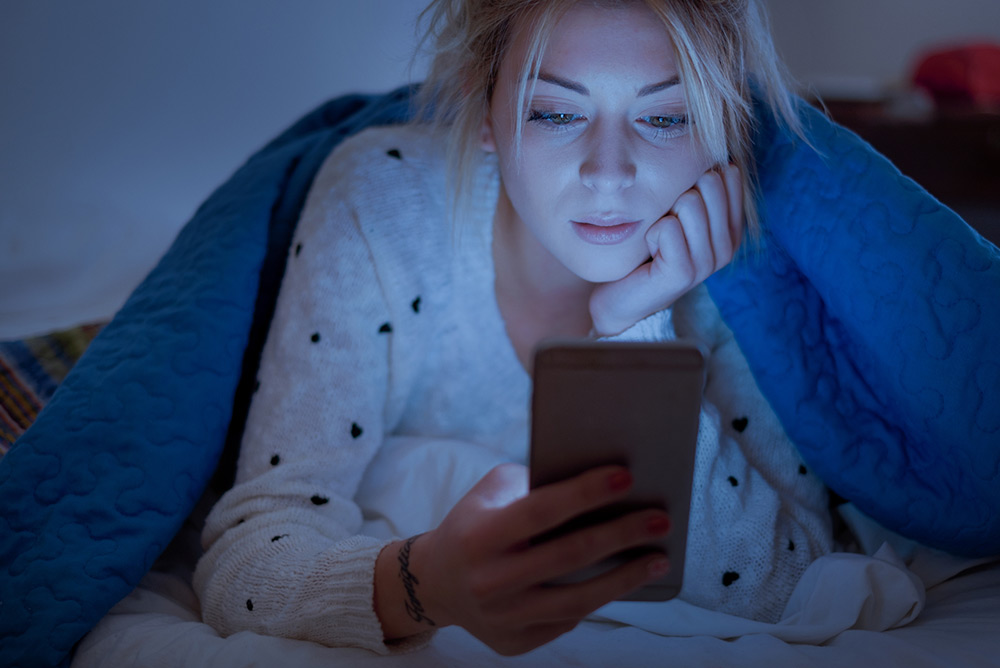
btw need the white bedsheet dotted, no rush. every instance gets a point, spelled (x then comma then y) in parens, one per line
(904, 605)
(158, 626)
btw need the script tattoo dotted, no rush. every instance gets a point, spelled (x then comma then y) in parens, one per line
(413, 606)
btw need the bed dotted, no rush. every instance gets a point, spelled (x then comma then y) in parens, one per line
(101, 494)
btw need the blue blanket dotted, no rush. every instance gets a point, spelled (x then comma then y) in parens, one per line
(869, 318)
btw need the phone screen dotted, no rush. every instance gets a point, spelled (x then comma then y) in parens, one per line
(631, 404)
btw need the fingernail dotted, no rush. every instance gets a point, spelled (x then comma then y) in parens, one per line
(659, 567)
(620, 481)
(658, 525)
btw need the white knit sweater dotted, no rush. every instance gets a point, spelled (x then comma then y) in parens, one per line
(387, 339)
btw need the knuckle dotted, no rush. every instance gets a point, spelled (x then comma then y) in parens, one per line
(670, 223)
(710, 179)
(686, 202)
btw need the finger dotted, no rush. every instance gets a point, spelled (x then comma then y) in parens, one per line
(656, 285)
(667, 242)
(734, 190)
(692, 213)
(652, 286)
(672, 271)
(502, 485)
(584, 547)
(549, 506)
(648, 288)
(576, 601)
(712, 187)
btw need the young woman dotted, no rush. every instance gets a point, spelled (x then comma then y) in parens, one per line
(587, 169)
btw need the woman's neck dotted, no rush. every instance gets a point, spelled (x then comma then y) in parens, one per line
(538, 297)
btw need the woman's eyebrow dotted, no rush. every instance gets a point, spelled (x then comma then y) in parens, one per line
(582, 90)
(656, 88)
(563, 83)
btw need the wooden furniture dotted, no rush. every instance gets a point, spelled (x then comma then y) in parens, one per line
(952, 152)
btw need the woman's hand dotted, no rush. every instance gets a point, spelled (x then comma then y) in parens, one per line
(696, 238)
(479, 570)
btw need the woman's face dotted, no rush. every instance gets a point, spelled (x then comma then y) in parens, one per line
(605, 150)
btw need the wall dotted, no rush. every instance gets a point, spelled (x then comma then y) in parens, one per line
(862, 47)
(118, 117)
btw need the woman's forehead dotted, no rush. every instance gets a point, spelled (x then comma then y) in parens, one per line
(600, 42)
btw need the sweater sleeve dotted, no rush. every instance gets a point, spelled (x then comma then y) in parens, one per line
(282, 552)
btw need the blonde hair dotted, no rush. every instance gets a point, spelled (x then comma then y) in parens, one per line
(723, 49)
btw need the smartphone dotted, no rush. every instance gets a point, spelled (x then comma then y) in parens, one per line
(631, 404)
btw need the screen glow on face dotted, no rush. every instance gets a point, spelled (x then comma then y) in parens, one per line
(606, 147)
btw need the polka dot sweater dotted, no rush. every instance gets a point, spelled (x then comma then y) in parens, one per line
(386, 339)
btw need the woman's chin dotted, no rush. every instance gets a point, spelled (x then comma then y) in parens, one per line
(607, 271)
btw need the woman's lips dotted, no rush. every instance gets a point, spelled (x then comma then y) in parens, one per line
(605, 232)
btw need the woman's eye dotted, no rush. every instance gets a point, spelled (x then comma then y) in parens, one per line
(665, 122)
(553, 118)
(665, 127)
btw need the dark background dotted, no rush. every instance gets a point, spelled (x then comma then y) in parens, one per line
(118, 117)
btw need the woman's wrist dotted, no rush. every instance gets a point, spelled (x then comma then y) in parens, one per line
(403, 599)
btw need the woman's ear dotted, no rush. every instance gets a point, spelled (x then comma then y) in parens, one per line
(486, 137)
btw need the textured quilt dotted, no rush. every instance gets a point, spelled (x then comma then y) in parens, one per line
(869, 317)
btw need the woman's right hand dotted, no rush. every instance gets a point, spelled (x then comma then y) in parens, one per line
(479, 569)
(696, 238)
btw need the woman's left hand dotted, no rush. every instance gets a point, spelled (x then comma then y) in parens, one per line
(696, 238)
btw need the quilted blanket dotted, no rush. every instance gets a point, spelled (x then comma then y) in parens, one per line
(869, 317)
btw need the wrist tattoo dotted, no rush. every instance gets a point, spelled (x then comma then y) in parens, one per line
(413, 606)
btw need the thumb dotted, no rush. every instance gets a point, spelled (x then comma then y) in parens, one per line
(503, 485)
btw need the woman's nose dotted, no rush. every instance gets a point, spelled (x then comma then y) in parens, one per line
(608, 166)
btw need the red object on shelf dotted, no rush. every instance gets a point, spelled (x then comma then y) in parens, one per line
(967, 74)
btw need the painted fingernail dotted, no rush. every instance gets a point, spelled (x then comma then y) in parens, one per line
(620, 481)
(658, 525)
(659, 567)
